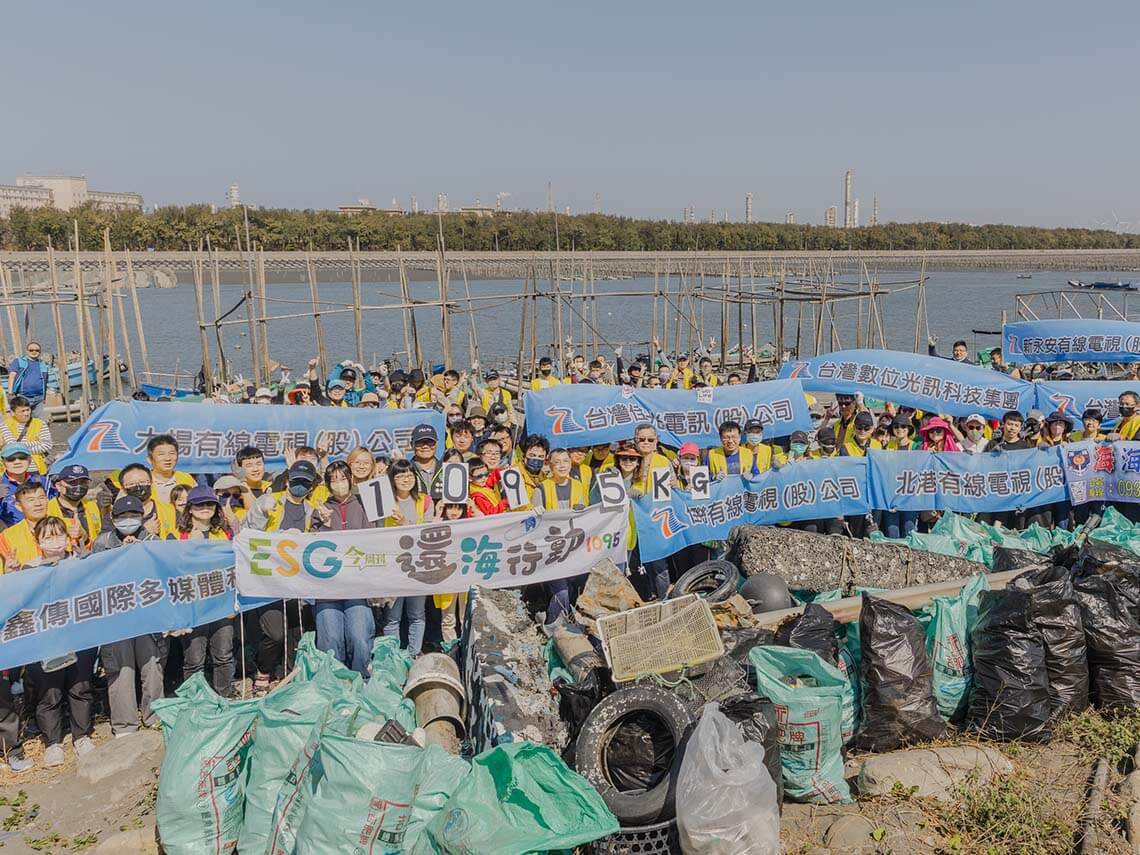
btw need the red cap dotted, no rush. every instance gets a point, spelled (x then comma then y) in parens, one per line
(689, 449)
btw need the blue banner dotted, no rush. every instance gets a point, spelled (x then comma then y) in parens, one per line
(806, 490)
(209, 435)
(121, 593)
(928, 383)
(1071, 340)
(1073, 397)
(966, 483)
(1102, 471)
(588, 414)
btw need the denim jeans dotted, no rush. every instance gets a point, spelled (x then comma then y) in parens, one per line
(898, 524)
(417, 622)
(345, 629)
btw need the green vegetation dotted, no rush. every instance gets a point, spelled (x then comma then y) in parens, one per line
(1098, 736)
(174, 228)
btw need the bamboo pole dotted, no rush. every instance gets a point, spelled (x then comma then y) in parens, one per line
(416, 358)
(254, 348)
(13, 321)
(115, 380)
(203, 341)
(122, 317)
(93, 342)
(522, 344)
(322, 353)
(442, 281)
(594, 307)
(139, 332)
(473, 332)
(263, 320)
(61, 358)
(80, 312)
(357, 329)
(404, 314)
(216, 287)
(532, 281)
(653, 317)
(29, 317)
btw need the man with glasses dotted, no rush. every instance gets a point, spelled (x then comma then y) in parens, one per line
(27, 376)
(17, 460)
(645, 441)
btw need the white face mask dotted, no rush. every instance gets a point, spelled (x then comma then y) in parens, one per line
(339, 488)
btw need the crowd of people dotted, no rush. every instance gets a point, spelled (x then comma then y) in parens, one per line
(74, 513)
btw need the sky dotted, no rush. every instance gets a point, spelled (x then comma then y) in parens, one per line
(1015, 112)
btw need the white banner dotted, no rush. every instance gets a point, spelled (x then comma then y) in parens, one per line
(500, 551)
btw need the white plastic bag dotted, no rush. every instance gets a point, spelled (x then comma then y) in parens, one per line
(726, 800)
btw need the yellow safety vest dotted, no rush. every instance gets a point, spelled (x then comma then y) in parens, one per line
(578, 495)
(539, 383)
(18, 545)
(684, 381)
(718, 461)
(167, 518)
(1129, 427)
(421, 511)
(35, 426)
(1078, 435)
(711, 380)
(853, 449)
(499, 395)
(585, 475)
(90, 516)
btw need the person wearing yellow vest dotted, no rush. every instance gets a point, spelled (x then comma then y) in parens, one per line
(1090, 422)
(494, 393)
(561, 491)
(162, 454)
(291, 509)
(1055, 431)
(1129, 425)
(18, 545)
(159, 517)
(534, 451)
(73, 507)
(412, 508)
(545, 378)
(601, 457)
(337, 392)
(708, 377)
(861, 442)
(682, 376)
(21, 426)
(645, 441)
(764, 456)
(846, 408)
(579, 468)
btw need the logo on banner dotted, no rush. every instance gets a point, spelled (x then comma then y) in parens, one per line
(670, 523)
(1011, 344)
(1064, 403)
(800, 371)
(105, 435)
(1079, 460)
(563, 420)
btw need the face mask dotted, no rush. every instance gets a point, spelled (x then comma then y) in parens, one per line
(454, 420)
(754, 438)
(545, 371)
(533, 465)
(54, 546)
(139, 491)
(975, 433)
(340, 489)
(1126, 410)
(74, 492)
(502, 419)
(687, 465)
(298, 491)
(798, 449)
(231, 501)
(127, 526)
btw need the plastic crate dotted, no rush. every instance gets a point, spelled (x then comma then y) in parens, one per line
(659, 839)
(638, 619)
(684, 639)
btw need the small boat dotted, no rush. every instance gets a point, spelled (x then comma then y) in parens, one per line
(1103, 286)
(1024, 275)
(74, 375)
(154, 392)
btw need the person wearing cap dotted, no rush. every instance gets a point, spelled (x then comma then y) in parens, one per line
(202, 518)
(688, 457)
(825, 444)
(1031, 429)
(369, 400)
(356, 381)
(545, 378)
(1055, 431)
(863, 425)
(799, 445)
(136, 480)
(764, 456)
(936, 436)
(162, 455)
(500, 416)
(262, 395)
(337, 393)
(21, 426)
(846, 408)
(477, 417)
(494, 393)
(231, 496)
(425, 464)
(1128, 426)
(300, 395)
(18, 545)
(902, 434)
(70, 504)
(17, 460)
(1090, 424)
(975, 440)
(141, 659)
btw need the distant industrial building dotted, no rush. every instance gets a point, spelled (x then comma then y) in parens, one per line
(361, 206)
(748, 207)
(829, 216)
(874, 211)
(64, 192)
(849, 200)
(790, 218)
(233, 196)
(855, 215)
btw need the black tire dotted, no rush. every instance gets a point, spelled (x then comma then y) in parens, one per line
(634, 807)
(715, 581)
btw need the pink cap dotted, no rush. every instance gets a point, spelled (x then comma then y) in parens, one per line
(689, 449)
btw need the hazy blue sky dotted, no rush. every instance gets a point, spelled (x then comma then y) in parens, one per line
(1023, 112)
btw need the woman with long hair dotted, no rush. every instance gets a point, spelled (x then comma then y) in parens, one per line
(361, 465)
(345, 628)
(201, 518)
(412, 508)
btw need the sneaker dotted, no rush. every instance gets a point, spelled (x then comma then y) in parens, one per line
(19, 763)
(84, 745)
(53, 756)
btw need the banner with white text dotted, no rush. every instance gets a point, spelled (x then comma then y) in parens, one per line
(1102, 471)
(499, 551)
(1071, 340)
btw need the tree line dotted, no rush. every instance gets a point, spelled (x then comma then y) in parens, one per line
(177, 228)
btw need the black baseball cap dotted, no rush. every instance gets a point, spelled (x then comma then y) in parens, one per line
(126, 505)
(424, 433)
(753, 424)
(826, 437)
(864, 420)
(303, 472)
(73, 472)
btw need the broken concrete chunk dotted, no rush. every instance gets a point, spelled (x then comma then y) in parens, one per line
(933, 772)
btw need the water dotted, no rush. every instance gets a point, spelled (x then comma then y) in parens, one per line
(957, 302)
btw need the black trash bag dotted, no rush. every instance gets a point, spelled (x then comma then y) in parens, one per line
(814, 630)
(896, 679)
(640, 753)
(738, 643)
(1009, 698)
(1057, 616)
(1098, 558)
(1112, 635)
(1019, 559)
(575, 700)
(756, 718)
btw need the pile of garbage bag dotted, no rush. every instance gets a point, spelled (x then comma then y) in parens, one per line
(961, 537)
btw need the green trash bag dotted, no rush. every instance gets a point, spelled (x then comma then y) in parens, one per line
(362, 795)
(810, 716)
(310, 660)
(948, 643)
(286, 719)
(201, 787)
(384, 702)
(389, 663)
(519, 797)
(1116, 528)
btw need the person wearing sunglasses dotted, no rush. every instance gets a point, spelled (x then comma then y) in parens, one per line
(17, 460)
(27, 376)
